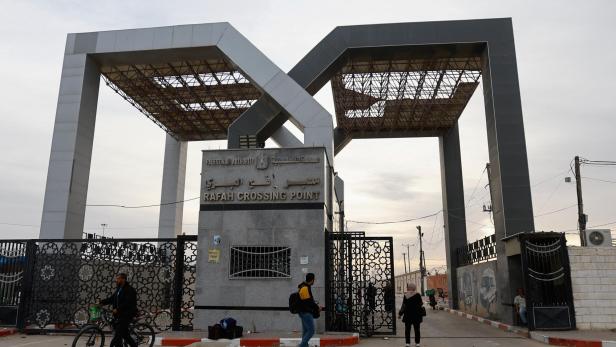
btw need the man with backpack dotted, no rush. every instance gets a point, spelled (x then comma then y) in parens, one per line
(307, 309)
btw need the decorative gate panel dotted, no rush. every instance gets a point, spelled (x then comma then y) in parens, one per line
(360, 284)
(549, 298)
(12, 267)
(64, 277)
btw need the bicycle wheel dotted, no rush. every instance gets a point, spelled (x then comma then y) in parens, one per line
(143, 334)
(89, 336)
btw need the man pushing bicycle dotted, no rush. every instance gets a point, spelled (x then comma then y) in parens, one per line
(124, 303)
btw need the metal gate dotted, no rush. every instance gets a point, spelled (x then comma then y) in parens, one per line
(360, 292)
(547, 277)
(55, 281)
(12, 266)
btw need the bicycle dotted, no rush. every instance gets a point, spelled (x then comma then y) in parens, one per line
(93, 335)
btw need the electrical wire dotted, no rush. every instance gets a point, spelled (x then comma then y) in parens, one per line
(597, 179)
(551, 212)
(476, 185)
(398, 221)
(142, 206)
(20, 225)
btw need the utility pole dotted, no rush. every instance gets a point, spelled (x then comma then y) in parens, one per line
(104, 225)
(422, 261)
(404, 255)
(581, 216)
(408, 254)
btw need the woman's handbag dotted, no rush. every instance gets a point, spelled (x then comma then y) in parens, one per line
(423, 311)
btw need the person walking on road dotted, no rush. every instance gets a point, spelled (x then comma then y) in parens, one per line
(412, 312)
(124, 303)
(308, 309)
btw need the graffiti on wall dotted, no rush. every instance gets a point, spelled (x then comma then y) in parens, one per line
(477, 289)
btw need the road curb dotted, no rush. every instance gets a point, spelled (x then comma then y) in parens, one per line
(537, 336)
(7, 331)
(264, 342)
(559, 341)
(495, 324)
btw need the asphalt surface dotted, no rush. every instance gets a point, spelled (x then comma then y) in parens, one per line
(440, 329)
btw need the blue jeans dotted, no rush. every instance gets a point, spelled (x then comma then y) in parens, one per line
(307, 328)
(523, 315)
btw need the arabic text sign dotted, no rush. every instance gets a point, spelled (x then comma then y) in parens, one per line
(263, 175)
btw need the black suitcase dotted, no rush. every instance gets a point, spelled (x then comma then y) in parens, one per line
(214, 332)
(234, 332)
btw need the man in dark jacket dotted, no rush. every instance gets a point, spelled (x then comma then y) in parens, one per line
(308, 309)
(124, 303)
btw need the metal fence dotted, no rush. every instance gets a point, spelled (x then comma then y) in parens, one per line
(50, 284)
(360, 284)
(478, 251)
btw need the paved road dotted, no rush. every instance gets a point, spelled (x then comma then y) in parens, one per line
(442, 329)
(35, 341)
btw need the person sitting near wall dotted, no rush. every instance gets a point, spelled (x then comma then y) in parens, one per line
(520, 305)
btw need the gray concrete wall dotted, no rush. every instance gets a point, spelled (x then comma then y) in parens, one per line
(478, 290)
(298, 224)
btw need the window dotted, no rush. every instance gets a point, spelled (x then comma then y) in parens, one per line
(260, 262)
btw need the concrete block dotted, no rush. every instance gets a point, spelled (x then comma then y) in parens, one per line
(582, 326)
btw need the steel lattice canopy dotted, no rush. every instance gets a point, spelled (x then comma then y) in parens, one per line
(378, 95)
(192, 100)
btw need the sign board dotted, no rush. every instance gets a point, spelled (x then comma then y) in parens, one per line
(213, 255)
(253, 176)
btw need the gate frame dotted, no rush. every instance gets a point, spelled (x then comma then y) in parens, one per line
(354, 236)
(564, 257)
(28, 275)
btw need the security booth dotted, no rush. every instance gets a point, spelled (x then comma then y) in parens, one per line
(262, 224)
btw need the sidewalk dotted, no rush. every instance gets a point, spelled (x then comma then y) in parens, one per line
(573, 338)
(199, 338)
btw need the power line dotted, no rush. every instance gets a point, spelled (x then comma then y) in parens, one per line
(475, 189)
(590, 227)
(398, 221)
(550, 178)
(144, 206)
(20, 225)
(598, 179)
(551, 212)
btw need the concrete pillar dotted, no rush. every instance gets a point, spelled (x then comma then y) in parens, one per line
(339, 190)
(453, 206)
(71, 149)
(511, 197)
(174, 176)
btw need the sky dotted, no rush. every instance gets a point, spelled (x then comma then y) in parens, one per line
(565, 55)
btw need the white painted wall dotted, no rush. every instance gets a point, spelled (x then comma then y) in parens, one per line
(593, 277)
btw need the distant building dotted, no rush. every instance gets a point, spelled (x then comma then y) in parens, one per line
(430, 282)
(401, 281)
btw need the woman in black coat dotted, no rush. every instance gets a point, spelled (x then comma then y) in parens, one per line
(412, 312)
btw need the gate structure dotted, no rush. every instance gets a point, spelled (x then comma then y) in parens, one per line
(52, 283)
(12, 266)
(547, 276)
(360, 284)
